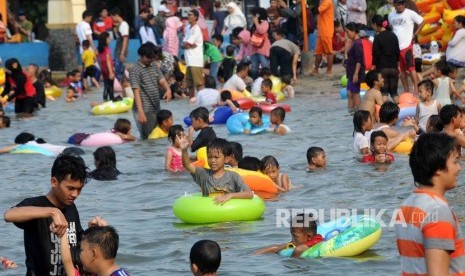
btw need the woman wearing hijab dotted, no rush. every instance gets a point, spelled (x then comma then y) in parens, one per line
(234, 19)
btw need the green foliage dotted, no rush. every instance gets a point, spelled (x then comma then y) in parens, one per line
(36, 10)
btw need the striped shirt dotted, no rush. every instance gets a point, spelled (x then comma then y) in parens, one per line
(425, 221)
(147, 80)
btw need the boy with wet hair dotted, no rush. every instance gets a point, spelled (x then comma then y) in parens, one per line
(451, 117)
(99, 247)
(217, 181)
(205, 258)
(428, 233)
(46, 218)
(373, 96)
(164, 122)
(255, 119)
(236, 154)
(277, 118)
(304, 235)
(200, 121)
(316, 158)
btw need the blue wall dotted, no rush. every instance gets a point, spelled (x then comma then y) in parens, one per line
(26, 53)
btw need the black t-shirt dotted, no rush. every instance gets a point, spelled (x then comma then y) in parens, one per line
(43, 255)
(40, 93)
(206, 135)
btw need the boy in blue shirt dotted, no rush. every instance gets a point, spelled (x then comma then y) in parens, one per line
(255, 119)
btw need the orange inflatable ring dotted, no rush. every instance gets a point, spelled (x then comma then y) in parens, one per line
(236, 95)
(258, 182)
(407, 99)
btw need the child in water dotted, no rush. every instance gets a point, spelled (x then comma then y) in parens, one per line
(255, 119)
(427, 105)
(378, 143)
(226, 100)
(4, 121)
(236, 154)
(122, 128)
(250, 163)
(373, 96)
(216, 181)
(277, 118)
(164, 123)
(316, 158)
(105, 164)
(362, 125)
(200, 121)
(304, 235)
(205, 258)
(270, 97)
(270, 166)
(173, 159)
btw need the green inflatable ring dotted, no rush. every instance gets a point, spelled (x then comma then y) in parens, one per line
(196, 209)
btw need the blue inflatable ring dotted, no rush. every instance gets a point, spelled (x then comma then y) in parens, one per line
(236, 123)
(220, 116)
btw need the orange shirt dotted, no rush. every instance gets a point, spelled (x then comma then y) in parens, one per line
(326, 18)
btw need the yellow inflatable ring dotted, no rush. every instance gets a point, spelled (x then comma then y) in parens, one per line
(404, 147)
(2, 76)
(53, 91)
(258, 182)
(110, 107)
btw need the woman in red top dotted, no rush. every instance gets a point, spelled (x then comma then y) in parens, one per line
(18, 86)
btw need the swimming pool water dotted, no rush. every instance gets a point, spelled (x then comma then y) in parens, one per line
(154, 242)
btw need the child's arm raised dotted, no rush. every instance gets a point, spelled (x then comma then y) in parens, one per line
(66, 258)
(186, 162)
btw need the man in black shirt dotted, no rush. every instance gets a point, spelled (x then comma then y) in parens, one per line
(46, 218)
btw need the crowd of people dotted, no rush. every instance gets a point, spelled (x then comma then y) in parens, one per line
(188, 65)
(16, 30)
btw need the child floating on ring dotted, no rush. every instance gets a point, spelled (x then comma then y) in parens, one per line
(216, 180)
(270, 166)
(304, 235)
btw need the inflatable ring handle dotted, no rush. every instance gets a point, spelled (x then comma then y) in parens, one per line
(332, 233)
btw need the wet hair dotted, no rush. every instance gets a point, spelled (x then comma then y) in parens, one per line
(6, 121)
(105, 157)
(69, 165)
(210, 82)
(230, 50)
(148, 50)
(388, 112)
(375, 134)
(122, 125)
(116, 11)
(174, 131)
(313, 152)
(448, 112)
(85, 44)
(102, 42)
(73, 151)
(429, 154)
(257, 110)
(360, 117)
(86, 13)
(371, 77)
(460, 19)
(249, 163)
(279, 112)
(24, 137)
(352, 26)
(225, 95)
(241, 67)
(221, 145)
(305, 222)
(268, 161)
(427, 84)
(236, 150)
(219, 38)
(267, 83)
(105, 238)
(265, 71)
(206, 255)
(199, 113)
(286, 79)
(434, 124)
(163, 115)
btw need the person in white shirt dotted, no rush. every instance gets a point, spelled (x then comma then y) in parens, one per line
(146, 31)
(84, 31)
(193, 53)
(122, 41)
(209, 95)
(236, 82)
(402, 21)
